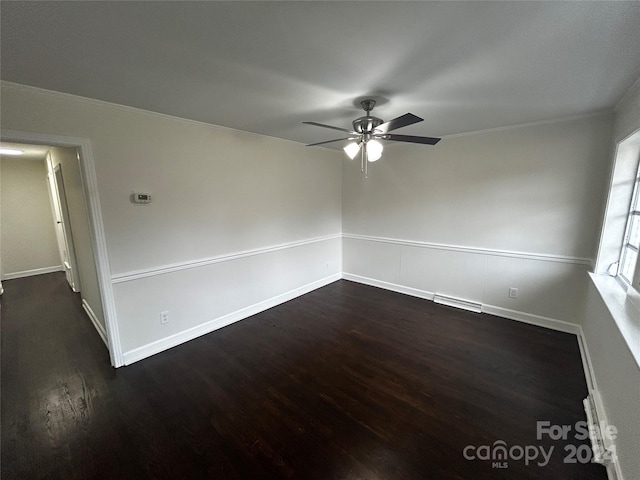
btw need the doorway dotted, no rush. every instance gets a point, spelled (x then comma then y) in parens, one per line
(70, 175)
(68, 219)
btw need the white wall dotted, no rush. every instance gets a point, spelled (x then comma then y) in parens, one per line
(479, 213)
(216, 193)
(617, 373)
(28, 243)
(89, 288)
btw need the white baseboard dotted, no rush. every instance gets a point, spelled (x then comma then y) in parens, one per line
(31, 273)
(538, 320)
(217, 323)
(96, 323)
(414, 292)
(589, 374)
(533, 319)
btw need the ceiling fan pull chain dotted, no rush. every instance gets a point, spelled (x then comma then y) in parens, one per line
(365, 156)
(366, 170)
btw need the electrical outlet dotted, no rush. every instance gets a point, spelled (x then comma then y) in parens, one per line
(513, 292)
(164, 317)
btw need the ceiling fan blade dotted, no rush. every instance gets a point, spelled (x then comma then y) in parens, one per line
(410, 138)
(402, 121)
(331, 127)
(329, 141)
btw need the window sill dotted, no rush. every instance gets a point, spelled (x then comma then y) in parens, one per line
(624, 309)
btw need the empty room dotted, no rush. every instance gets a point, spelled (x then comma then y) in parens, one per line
(371, 240)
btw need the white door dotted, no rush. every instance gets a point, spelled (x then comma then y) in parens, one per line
(63, 224)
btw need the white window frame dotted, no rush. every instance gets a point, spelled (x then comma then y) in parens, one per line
(631, 247)
(615, 227)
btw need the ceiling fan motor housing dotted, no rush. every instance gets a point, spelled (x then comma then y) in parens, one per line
(366, 124)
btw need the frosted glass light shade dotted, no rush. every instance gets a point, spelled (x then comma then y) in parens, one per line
(374, 150)
(352, 150)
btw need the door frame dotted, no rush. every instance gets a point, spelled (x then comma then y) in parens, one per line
(69, 261)
(96, 225)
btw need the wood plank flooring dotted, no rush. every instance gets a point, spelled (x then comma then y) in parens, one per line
(347, 382)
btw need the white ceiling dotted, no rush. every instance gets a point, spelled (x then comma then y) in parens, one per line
(267, 66)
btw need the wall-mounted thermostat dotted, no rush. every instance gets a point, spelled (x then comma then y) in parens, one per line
(141, 198)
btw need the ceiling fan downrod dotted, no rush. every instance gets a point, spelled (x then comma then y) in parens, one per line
(366, 124)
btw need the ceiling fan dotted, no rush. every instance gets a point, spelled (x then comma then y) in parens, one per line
(369, 130)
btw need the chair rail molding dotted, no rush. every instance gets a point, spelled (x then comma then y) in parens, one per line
(545, 257)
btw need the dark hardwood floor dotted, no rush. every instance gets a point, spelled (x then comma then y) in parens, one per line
(347, 382)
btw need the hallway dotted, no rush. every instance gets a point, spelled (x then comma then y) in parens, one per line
(53, 369)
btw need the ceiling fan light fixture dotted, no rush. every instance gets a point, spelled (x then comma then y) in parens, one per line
(352, 149)
(374, 150)
(369, 130)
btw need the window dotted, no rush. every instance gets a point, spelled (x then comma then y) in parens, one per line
(631, 244)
